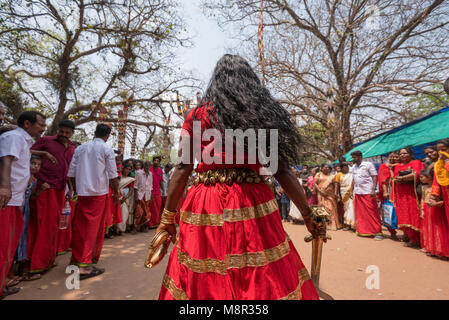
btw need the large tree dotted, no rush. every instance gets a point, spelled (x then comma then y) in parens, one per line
(70, 58)
(346, 65)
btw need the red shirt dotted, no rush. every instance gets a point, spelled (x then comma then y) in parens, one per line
(157, 178)
(55, 174)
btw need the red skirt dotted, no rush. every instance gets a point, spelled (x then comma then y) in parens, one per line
(232, 246)
(367, 216)
(43, 229)
(88, 230)
(142, 213)
(11, 225)
(406, 207)
(65, 235)
(113, 210)
(155, 210)
(435, 231)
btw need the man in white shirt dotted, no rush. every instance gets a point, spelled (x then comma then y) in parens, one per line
(365, 198)
(91, 171)
(165, 180)
(144, 191)
(14, 176)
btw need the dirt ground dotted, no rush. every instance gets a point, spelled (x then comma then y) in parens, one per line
(404, 273)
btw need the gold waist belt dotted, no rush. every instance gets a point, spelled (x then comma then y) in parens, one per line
(228, 176)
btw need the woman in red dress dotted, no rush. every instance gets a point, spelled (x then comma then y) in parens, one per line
(231, 243)
(435, 229)
(406, 175)
(440, 188)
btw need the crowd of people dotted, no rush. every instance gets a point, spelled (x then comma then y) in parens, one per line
(58, 196)
(403, 193)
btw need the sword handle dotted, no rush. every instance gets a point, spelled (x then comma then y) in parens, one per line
(310, 238)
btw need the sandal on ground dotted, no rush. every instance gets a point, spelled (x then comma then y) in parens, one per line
(95, 272)
(7, 291)
(412, 245)
(31, 276)
(14, 281)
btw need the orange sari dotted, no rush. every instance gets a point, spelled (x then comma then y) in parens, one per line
(326, 185)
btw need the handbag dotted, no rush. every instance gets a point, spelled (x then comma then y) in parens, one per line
(389, 218)
(405, 173)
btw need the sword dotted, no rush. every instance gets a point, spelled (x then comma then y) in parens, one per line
(320, 216)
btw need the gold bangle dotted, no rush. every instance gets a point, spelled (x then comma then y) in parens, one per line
(168, 217)
(169, 213)
(166, 222)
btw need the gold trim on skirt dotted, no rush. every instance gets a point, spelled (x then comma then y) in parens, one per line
(239, 261)
(177, 293)
(228, 176)
(230, 215)
(303, 276)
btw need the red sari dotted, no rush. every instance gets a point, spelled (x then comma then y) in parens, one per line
(435, 229)
(231, 243)
(442, 192)
(384, 178)
(405, 202)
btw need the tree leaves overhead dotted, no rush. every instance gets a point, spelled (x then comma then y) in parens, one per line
(349, 66)
(64, 54)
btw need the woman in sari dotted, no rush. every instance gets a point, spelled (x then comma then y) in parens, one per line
(312, 200)
(432, 155)
(126, 191)
(435, 229)
(231, 243)
(327, 194)
(405, 200)
(440, 188)
(344, 185)
(386, 172)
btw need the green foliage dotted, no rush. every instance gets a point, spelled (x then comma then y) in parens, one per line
(10, 97)
(423, 104)
(313, 135)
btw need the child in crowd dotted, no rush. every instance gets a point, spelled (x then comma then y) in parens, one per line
(21, 252)
(434, 224)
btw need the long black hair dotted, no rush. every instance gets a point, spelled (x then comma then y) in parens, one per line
(236, 99)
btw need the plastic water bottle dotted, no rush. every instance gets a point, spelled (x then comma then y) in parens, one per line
(65, 216)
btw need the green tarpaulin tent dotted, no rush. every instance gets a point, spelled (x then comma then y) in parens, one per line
(420, 132)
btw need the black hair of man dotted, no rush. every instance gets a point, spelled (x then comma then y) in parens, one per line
(157, 157)
(31, 116)
(67, 124)
(357, 153)
(102, 130)
(35, 157)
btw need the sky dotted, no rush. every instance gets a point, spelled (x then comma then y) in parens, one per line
(209, 42)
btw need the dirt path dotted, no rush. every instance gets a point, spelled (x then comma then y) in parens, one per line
(404, 273)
